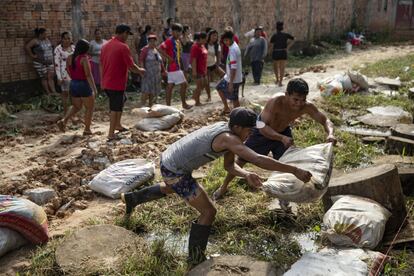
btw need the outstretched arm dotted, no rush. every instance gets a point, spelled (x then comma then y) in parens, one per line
(324, 121)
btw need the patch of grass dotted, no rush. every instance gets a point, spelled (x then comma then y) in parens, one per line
(395, 67)
(349, 152)
(43, 261)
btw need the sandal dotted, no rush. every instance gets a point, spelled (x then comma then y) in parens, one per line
(113, 138)
(123, 129)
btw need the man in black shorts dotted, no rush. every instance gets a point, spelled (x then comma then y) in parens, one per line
(116, 60)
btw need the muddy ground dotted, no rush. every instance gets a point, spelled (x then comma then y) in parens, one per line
(34, 152)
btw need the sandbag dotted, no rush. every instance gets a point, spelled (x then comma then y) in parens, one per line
(156, 111)
(317, 159)
(122, 177)
(359, 79)
(345, 80)
(161, 123)
(25, 217)
(329, 87)
(338, 262)
(355, 221)
(10, 240)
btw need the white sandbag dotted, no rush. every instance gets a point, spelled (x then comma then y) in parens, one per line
(161, 123)
(317, 159)
(355, 221)
(156, 111)
(345, 80)
(359, 79)
(122, 177)
(10, 240)
(330, 86)
(338, 262)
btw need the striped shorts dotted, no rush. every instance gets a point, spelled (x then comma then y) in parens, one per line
(42, 69)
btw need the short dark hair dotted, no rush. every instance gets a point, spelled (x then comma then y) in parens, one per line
(62, 35)
(279, 25)
(39, 31)
(228, 34)
(186, 28)
(196, 36)
(123, 28)
(169, 20)
(177, 27)
(203, 35)
(97, 30)
(297, 85)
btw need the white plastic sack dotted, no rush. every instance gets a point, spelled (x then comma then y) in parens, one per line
(317, 159)
(359, 79)
(122, 177)
(10, 240)
(355, 221)
(338, 262)
(330, 86)
(345, 80)
(161, 123)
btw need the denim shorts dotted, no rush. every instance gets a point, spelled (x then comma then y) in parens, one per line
(223, 87)
(183, 184)
(80, 88)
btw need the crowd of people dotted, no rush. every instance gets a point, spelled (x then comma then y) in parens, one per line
(179, 58)
(89, 67)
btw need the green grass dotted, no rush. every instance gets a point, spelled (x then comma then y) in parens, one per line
(392, 68)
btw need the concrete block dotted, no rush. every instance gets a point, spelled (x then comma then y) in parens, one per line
(40, 196)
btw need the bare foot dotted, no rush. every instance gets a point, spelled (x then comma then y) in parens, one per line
(225, 111)
(87, 133)
(61, 125)
(219, 193)
(198, 104)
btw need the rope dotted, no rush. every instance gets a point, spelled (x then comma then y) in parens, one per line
(392, 242)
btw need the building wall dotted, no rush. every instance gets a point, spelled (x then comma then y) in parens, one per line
(305, 19)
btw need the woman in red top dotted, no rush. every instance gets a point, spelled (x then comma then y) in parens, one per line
(82, 86)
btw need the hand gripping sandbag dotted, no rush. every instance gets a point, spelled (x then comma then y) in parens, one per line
(338, 262)
(355, 221)
(10, 240)
(317, 159)
(25, 217)
(122, 177)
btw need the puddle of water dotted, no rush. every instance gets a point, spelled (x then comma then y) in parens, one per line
(365, 131)
(307, 241)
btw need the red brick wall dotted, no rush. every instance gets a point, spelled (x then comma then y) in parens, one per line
(19, 18)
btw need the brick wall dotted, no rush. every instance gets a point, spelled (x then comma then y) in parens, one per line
(305, 19)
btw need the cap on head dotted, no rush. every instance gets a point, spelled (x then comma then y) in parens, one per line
(243, 117)
(122, 28)
(152, 36)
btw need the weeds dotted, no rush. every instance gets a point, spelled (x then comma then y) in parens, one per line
(402, 67)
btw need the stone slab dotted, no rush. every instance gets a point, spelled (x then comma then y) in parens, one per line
(403, 130)
(94, 249)
(234, 265)
(366, 131)
(388, 81)
(373, 140)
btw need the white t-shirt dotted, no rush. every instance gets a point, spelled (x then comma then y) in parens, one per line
(234, 61)
(212, 58)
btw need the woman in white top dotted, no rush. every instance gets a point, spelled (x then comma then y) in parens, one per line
(95, 47)
(214, 57)
(62, 51)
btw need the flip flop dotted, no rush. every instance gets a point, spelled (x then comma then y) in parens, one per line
(113, 138)
(123, 129)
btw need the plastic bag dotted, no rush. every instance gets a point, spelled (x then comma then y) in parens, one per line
(122, 177)
(317, 159)
(10, 240)
(338, 262)
(355, 221)
(25, 217)
(329, 87)
(345, 80)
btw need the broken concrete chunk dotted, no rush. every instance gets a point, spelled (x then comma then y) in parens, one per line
(40, 196)
(234, 265)
(373, 140)
(387, 81)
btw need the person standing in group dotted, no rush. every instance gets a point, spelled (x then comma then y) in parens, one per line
(228, 87)
(116, 60)
(214, 57)
(224, 48)
(279, 53)
(62, 52)
(41, 50)
(199, 55)
(171, 50)
(82, 86)
(167, 31)
(95, 52)
(187, 43)
(150, 59)
(257, 51)
(142, 39)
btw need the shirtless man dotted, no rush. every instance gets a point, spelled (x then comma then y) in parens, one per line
(276, 117)
(193, 151)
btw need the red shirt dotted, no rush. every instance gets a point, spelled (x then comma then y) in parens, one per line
(199, 53)
(78, 73)
(116, 59)
(172, 47)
